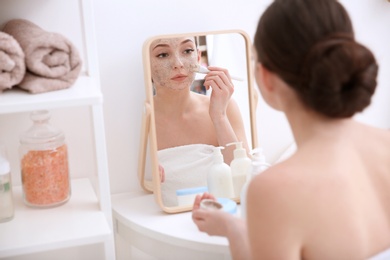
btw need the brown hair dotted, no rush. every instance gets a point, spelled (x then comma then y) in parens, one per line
(310, 44)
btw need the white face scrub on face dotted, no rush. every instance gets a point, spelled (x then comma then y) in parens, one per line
(174, 62)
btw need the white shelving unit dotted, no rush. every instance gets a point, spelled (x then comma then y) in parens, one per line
(87, 217)
(81, 223)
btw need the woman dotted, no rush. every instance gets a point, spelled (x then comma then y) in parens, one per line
(190, 125)
(329, 200)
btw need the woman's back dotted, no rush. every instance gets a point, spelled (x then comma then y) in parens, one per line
(330, 199)
(334, 192)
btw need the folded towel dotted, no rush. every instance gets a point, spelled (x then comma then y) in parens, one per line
(52, 61)
(12, 66)
(185, 167)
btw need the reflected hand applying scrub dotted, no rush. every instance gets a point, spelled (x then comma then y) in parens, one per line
(223, 110)
(220, 82)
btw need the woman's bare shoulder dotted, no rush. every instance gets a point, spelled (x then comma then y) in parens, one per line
(382, 135)
(275, 175)
(373, 142)
(276, 198)
(285, 182)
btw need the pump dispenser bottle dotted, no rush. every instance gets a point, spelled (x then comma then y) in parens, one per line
(219, 177)
(240, 168)
(259, 164)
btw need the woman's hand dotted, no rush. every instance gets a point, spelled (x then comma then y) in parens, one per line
(220, 82)
(213, 222)
(223, 110)
(162, 173)
(220, 223)
(199, 198)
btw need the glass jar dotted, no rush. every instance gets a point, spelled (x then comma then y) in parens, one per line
(6, 199)
(44, 163)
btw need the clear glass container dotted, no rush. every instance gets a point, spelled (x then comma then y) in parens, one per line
(6, 198)
(44, 163)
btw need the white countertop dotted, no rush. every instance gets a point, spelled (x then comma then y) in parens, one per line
(139, 213)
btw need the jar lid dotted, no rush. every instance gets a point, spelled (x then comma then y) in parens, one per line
(4, 166)
(228, 205)
(41, 131)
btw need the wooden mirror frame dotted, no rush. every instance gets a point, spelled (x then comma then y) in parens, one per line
(148, 128)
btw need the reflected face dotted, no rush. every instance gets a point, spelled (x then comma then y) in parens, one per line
(174, 62)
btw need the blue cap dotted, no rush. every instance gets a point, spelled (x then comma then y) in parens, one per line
(191, 191)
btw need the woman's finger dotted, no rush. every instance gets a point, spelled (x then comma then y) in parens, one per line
(207, 195)
(197, 201)
(217, 80)
(162, 173)
(223, 73)
(219, 87)
(198, 214)
(220, 78)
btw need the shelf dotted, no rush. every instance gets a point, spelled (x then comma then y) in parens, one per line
(86, 218)
(85, 91)
(78, 222)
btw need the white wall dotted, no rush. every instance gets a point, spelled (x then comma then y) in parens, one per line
(371, 20)
(122, 27)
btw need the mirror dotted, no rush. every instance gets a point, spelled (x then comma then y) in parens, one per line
(176, 144)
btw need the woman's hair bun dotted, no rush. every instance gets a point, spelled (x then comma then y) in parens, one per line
(338, 76)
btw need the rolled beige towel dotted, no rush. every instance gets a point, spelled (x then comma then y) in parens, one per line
(12, 66)
(52, 61)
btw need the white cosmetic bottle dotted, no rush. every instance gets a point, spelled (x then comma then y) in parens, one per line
(6, 198)
(219, 177)
(259, 164)
(240, 168)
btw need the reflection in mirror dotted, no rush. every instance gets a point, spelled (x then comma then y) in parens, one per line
(199, 97)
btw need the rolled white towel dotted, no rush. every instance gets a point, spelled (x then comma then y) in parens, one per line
(52, 61)
(12, 66)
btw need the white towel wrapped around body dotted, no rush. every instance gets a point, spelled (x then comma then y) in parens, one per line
(12, 66)
(185, 167)
(52, 61)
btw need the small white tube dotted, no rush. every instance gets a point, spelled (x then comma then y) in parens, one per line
(186, 197)
(204, 70)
